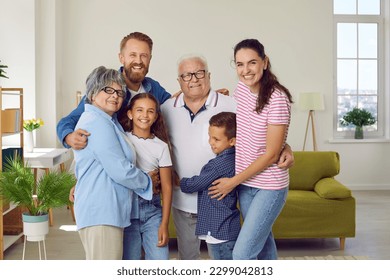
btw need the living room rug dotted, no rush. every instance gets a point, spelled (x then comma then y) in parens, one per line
(328, 257)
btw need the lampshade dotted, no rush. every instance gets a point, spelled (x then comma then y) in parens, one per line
(311, 101)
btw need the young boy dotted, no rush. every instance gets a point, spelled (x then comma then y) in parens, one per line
(218, 220)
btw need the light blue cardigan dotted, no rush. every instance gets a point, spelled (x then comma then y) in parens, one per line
(106, 173)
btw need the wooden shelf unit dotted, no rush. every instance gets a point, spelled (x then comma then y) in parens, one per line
(11, 226)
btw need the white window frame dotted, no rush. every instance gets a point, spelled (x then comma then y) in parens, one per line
(383, 103)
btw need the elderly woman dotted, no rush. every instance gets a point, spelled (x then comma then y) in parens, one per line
(105, 170)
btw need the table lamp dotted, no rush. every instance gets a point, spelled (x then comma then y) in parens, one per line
(311, 101)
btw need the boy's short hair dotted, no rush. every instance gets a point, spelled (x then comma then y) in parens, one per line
(226, 120)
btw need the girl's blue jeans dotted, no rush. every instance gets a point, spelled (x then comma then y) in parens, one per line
(143, 233)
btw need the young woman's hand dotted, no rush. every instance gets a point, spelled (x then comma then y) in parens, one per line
(286, 159)
(221, 188)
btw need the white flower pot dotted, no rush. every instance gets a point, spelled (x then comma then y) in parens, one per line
(35, 228)
(28, 141)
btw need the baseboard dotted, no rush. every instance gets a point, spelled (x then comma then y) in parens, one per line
(365, 187)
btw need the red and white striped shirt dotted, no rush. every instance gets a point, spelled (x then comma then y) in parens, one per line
(252, 135)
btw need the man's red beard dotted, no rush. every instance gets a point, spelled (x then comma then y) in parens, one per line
(136, 77)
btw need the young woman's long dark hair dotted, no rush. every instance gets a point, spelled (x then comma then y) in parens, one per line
(158, 128)
(268, 82)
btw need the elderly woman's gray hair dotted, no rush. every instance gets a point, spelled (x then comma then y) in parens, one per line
(101, 77)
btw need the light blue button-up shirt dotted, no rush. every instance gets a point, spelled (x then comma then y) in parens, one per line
(106, 173)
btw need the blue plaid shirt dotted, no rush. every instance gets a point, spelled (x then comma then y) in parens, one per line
(218, 218)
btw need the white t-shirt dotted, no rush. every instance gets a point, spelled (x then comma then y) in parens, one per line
(140, 90)
(151, 153)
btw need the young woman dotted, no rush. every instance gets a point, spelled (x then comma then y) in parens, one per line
(145, 129)
(263, 118)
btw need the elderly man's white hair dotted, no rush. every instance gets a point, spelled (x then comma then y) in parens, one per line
(192, 56)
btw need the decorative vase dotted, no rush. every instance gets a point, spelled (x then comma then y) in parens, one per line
(359, 132)
(35, 228)
(28, 141)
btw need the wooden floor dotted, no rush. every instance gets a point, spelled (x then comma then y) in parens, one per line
(372, 239)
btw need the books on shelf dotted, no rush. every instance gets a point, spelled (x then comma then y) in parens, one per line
(10, 120)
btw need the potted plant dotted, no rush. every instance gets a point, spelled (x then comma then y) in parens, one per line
(30, 126)
(51, 190)
(359, 118)
(2, 72)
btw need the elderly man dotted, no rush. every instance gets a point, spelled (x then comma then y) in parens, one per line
(187, 117)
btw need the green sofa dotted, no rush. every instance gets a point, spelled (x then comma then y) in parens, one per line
(317, 206)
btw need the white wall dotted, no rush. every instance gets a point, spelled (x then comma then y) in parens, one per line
(297, 35)
(17, 51)
(47, 54)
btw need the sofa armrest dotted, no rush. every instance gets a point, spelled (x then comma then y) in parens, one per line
(330, 188)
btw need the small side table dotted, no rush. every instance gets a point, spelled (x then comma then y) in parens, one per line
(46, 158)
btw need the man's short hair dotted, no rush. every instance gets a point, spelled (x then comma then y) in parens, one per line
(226, 120)
(138, 36)
(193, 57)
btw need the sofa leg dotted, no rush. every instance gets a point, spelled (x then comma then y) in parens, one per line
(342, 243)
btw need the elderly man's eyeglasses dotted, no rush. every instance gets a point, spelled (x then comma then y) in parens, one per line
(110, 90)
(188, 76)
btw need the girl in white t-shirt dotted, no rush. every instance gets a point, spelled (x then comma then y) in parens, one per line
(263, 118)
(145, 129)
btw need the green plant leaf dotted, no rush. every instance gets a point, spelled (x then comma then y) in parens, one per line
(358, 117)
(2, 72)
(17, 185)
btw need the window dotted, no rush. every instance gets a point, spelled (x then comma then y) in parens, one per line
(359, 63)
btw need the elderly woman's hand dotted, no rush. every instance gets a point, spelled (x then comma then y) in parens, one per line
(71, 194)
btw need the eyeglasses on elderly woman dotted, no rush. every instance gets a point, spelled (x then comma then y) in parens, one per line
(110, 90)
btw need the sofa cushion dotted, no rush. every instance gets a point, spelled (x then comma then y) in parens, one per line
(306, 215)
(310, 167)
(330, 188)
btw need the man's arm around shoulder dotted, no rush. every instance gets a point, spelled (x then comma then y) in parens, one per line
(65, 129)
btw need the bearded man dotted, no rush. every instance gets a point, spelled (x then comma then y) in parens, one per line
(135, 56)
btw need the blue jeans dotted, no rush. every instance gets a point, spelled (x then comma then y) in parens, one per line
(221, 251)
(143, 233)
(259, 208)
